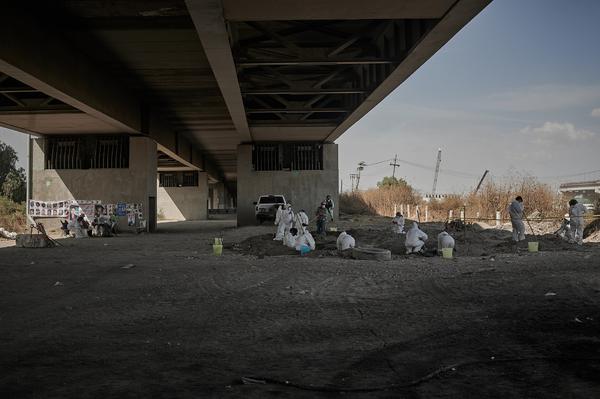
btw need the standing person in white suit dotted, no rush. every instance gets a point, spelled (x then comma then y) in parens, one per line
(301, 221)
(284, 222)
(576, 212)
(515, 210)
(278, 215)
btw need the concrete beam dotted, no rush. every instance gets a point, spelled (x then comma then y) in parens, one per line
(450, 24)
(210, 25)
(285, 10)
(42, 59)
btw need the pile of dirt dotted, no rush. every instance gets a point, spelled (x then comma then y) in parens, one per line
(264, 245)
(591, 232)
(474, 240)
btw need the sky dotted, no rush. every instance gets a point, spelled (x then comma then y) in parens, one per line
(515, 91)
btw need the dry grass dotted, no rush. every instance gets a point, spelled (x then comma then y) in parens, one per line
(493, 196)
(12, 215)
(377, 201)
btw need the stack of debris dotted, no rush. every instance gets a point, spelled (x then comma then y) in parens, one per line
(7, 234)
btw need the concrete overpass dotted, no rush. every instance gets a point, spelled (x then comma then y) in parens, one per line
(250, 96)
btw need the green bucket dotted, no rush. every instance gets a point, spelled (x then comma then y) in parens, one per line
(447, 253)
(533, 246)
(217, 249)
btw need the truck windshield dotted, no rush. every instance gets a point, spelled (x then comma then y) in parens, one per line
(271, 199)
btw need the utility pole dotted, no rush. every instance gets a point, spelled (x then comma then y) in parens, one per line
(395, 164)
(352, 181)
(361, 166)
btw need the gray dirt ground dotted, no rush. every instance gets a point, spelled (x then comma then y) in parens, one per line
(182, 323)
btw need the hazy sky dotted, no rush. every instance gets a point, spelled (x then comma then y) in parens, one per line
(518, 89)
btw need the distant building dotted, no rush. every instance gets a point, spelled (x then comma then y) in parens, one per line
(585, 192)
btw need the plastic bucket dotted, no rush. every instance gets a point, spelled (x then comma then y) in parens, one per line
(533, 246)
(447, 253)
(304, 249)
(217, 249)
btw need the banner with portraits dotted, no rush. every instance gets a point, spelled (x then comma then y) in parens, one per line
(59, 209)
(72, 209)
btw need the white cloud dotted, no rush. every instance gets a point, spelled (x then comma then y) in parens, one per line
(596, 112)
(544, 97)
(556, 131)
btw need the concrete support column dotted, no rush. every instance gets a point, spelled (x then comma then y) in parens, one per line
(135, 184)
(184, 203)
(305, 189)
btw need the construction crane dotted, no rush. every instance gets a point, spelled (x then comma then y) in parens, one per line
(481, 181)
(437, 170)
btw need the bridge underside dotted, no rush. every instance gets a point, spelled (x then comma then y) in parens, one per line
(202, 77)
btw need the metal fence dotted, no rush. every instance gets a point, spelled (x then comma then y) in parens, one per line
(87, 152)
(287, 156)
(178, 179)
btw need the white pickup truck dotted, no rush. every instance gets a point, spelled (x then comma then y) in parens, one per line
(266, 206)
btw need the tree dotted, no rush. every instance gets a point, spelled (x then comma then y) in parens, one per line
(14, 185)
(8, 161)
(12, 180)
(390, 181)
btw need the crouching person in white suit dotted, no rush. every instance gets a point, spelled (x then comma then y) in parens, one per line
(345, 241)
(305, 239)
(445, 240)
(415, 239)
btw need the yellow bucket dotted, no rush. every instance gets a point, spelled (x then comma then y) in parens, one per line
(533, 246)
(447, 253)
(217, 249)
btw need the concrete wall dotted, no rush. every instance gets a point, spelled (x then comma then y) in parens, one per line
(221, 198)
(304, 189)
(133, 185)
(184, 203)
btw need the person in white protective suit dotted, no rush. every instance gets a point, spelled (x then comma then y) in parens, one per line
(564, 231)
(576, 212)
(290, 237)
(329, 206)
(307, 239)
(345, 241)
(444, 240)
(398, 224)
(301, 221)
(76, 225)
(415, 239)
(285, 222)
(515, 210)
(277, 222)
